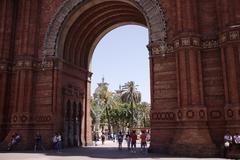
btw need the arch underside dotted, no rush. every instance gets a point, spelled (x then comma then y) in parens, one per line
(91, 26)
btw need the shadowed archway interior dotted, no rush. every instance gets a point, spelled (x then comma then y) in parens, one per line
(86, 31)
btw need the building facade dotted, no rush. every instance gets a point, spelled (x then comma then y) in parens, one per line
(194, 50)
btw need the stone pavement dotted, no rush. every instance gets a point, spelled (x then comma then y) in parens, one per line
(107, 151)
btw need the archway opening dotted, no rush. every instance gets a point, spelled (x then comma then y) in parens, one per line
(80, 33)
(120, 59)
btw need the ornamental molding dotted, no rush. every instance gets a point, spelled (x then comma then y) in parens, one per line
(193, 114)
(229, 36)
(70, 90)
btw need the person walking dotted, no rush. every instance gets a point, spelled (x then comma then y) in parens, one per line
(16, 138)
(227, 143)
(143, 141)
(54, 140)
(59, 142)
(38, 142)
(133, 141)
(103, 138)
(128, 139)
(120, 140)
(95, 138)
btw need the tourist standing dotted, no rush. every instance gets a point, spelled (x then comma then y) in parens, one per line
(54, 140)
(143, 141)
(227, 143)
(95, 138)
(120, 140)
(133, 141)
(38, 142)
(128, 139)
(103, 138)
(59, 142)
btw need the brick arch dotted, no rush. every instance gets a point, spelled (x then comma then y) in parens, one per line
(151, 9)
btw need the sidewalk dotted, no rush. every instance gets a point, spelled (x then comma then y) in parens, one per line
(107, 151)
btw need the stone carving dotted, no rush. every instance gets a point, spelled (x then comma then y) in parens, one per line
(158, 48)
(210, 44)
(23, 118)
(190, 114)
(169, 116)
(233, 35)
(230, 113)
(202, 114)
(185, 41)
(43, 118)
(180, 115)
(73, 91)
(176, 44)
(196, 42)
(15, 118)
(230, 35)
(215, 114)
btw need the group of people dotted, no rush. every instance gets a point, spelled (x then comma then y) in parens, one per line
(15, 140)
(132, 141)
(56, 140)
(230, 141)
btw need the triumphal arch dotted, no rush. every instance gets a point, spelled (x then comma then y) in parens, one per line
(46, 48)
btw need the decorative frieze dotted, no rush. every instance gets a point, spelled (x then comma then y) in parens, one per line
(192, 114)
(26, 64)
(73, 91)
(186, 42)
(232, 35)
(210, 44)
(27, 118)
(196, 114)
(232, 113)
(181, 114)
(163, 116)
(158, 48)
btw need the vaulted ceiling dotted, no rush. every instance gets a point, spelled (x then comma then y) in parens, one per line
(91, 25)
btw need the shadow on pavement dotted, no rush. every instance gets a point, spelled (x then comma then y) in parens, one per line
(96, 152)
(106, 153)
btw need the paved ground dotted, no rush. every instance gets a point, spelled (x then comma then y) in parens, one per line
(107, 151)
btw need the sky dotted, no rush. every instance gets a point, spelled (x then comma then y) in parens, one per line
(122, 56)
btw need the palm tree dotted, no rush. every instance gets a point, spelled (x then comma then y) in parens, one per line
(104, 99)
(132, 96)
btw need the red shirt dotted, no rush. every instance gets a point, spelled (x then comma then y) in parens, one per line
(143, 138)
(133, 137)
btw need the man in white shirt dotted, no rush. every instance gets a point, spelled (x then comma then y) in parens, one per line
(59, 142)
(227, 143)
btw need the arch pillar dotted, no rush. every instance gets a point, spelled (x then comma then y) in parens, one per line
(230, 54)
(192, 135)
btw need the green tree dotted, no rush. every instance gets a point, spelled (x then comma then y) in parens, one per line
(132, 96)
(143, 114)
(104, 99)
